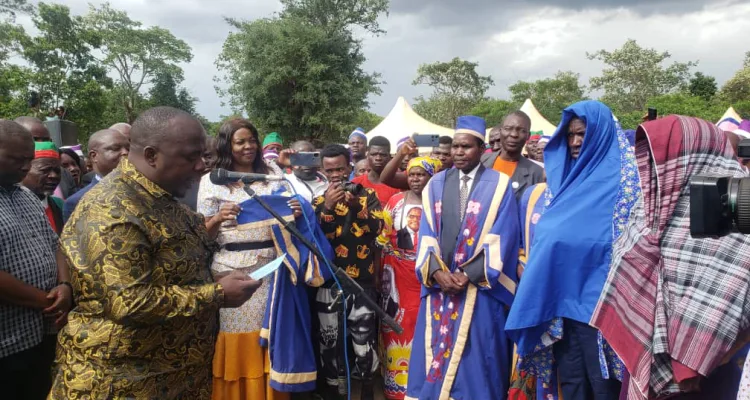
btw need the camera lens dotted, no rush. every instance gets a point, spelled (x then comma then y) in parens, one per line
(742, 206)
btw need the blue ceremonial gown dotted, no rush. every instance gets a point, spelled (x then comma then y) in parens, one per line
(460, 350)
(587, 204)
(286, 326)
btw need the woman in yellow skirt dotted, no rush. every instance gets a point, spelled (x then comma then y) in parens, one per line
(241, 365)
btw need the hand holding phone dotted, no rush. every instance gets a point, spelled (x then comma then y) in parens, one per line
(426, 140)
(305, 159)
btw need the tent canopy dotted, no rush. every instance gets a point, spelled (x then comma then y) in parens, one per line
(730, 114)
(403, 121)
(538, 122)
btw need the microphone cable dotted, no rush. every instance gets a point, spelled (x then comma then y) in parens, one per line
(341, 289)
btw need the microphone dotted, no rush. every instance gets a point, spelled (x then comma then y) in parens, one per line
(220, 176)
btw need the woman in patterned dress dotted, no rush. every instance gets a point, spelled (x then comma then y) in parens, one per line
(240, 365)
(401, 289)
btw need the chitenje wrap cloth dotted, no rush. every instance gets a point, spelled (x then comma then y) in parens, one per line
(674, 307)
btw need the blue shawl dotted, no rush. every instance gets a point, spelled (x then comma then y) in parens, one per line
(587, 205)
(287, 324)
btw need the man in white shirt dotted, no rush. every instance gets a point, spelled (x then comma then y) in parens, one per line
(307, 182)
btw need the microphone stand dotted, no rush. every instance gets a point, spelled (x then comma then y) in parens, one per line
(348, 284)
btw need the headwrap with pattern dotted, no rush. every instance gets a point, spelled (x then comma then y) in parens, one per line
(429, 164)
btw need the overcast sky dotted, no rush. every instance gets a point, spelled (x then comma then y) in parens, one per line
(511, 40)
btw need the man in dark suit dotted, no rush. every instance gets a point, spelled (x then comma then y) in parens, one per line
(507, 141)
(408, 236)
(106, 147)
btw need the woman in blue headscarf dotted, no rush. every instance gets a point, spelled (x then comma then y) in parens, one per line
(591, 186)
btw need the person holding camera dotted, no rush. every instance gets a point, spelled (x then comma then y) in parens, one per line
(351, 218)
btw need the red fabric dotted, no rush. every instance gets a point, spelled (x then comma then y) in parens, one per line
(383, 191)
(51, 217)
(401, 298)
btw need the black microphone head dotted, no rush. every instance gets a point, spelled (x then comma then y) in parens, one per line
(219, 176)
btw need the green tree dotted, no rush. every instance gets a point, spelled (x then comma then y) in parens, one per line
(687, 104)
(14, 83)
(550, 95)
(9, 8)
(703, 86)
(457, 87)
(137, 54)
(737, 88)
(494, 110)
(60, 57)
(367, 120)
(634, 74)
(295, 77)
(165, 91)
(338, 15)
(440, 109)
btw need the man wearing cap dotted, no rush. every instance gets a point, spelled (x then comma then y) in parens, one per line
(42, 180)
(466, 262)
(273, 141)
(509, 139)
(358, 145)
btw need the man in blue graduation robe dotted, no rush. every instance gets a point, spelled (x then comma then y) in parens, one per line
(469, 240)
(287, 321)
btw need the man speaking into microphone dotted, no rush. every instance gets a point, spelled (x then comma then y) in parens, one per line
(145, 320)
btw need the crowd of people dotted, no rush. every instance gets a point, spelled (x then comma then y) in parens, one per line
(519, 266)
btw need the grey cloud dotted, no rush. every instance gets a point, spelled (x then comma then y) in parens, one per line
(475, 14)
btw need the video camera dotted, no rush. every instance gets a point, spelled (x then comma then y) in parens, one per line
(720, 205)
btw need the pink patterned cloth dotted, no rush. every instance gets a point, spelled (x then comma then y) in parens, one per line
(673, 306)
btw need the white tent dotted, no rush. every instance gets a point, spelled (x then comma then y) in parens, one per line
(538, 122)
(402, 121)
(731, 113)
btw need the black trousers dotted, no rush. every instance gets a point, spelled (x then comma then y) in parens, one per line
(577, 356)
(362, 346)
(27, 375)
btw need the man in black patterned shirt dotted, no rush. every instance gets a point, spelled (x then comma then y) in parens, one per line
(33, 293)
(351, 221)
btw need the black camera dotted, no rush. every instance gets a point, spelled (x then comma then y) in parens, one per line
(351, 187)
(720, 205)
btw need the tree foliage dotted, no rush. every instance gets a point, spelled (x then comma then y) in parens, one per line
(58, 63)
(338, 15)
(457, 87)
(367, 120)
(301, 73)
(295, 77)
(634, 74)
(9, 8)
(165, 91)
(737, 88)
(136, 53)
(703, 86)
(550, 95)
(494, 111)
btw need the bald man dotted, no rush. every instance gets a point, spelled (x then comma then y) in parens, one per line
(146, 315)
(39, 131)
(106, 148)
(123, 128)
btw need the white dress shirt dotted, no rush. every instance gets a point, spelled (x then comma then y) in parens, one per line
(308, 190)
(471, 175)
